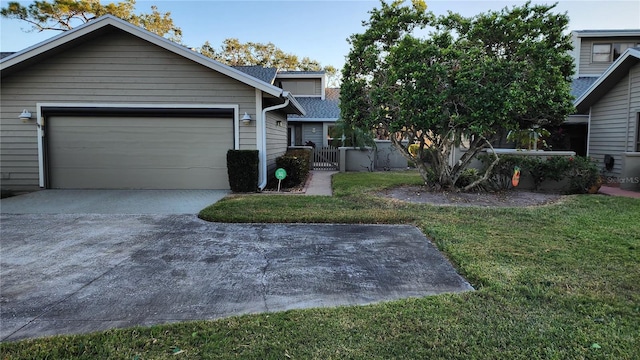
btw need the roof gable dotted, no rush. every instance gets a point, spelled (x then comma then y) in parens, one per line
(327, 109)
(608, 80)
(108, 22)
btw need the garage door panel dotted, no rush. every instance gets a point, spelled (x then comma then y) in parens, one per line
(138, 152)
(163, 179)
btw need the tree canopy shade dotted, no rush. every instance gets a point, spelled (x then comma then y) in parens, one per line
(235, 53)
(63, 15)
(469, 80)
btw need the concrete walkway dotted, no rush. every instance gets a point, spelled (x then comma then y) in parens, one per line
(320, 183)
(616, 191)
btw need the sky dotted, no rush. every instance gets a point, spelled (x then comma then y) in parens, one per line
(317, 28)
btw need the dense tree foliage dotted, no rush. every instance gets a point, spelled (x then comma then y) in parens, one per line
(63, 15)
(235, 53)
(467, 81)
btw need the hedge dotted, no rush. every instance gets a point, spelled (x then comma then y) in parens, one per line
(242, 168)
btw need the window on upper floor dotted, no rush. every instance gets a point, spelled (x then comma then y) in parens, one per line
(601, 53)
(300, 87)
(608, 52)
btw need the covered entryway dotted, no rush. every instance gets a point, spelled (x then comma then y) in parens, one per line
(148, 151)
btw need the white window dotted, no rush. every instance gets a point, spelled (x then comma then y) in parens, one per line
(608, 52)
(601, 52)
(619, 48)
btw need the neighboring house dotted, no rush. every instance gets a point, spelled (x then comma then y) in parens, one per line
(320, 103)
(612, 105)
(594, 51)
(607, 91)
(109, 105)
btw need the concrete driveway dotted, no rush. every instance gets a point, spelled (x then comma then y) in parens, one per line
(65, 273)
(53, 201)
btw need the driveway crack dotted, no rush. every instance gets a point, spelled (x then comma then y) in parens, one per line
(265, 283)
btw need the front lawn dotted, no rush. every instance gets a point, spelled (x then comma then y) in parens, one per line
(553, 282)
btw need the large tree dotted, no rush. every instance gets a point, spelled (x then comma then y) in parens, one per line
(235, 53)
(63, 15)
(467, 82)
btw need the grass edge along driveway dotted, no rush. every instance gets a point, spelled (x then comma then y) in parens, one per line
(554, 282)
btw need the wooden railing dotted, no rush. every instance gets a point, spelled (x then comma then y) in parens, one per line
(325, 158)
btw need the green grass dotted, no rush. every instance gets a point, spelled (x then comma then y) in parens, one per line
(554, 282)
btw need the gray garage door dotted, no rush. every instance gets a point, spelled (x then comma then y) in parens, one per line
(114, 152)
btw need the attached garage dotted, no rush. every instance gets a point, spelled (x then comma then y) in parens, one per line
(109, 105)
(161, 151)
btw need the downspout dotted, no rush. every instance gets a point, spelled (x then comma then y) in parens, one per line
(589, 132)
(263, 150)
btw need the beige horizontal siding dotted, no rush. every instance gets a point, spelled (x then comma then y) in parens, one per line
(309, 135)
(613, 121)
(587, 66)
(277, 135)
(113, 68)
(634, 109)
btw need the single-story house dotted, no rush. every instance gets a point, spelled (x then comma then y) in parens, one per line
(612, 104)
(109, 105)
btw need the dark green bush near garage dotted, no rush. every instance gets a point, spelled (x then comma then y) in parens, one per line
(242, 168)
(296, 163)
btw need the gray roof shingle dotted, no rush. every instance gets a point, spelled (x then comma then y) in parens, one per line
(316, 108)
(581, 84)
(265, 74)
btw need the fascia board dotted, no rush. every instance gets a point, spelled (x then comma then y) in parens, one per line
(312, 119)
(295, 103)
(607, 33)
(299, 76)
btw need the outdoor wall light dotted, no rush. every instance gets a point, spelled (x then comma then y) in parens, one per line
(246, 118)
(25, 115)
(278, 123)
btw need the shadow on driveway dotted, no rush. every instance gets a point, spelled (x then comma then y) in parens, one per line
(53, 201)
(65, 274)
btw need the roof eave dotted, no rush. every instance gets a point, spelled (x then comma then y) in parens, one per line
(296, 105)
(607, 33)
(303, 119)
(109, 20)
(589, 97)
(299, 76)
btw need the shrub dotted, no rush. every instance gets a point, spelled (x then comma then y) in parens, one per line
(581, 172)
(296, 163)
(413, 149)
(583, 175)
(427, 152)
(467, 177)
(242, 168)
